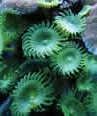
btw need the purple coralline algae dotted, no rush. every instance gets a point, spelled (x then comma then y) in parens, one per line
(20, 6)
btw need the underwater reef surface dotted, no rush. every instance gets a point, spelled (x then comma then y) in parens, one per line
(90, 2)
(90, 31)
(20, 6)
(46, 67)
